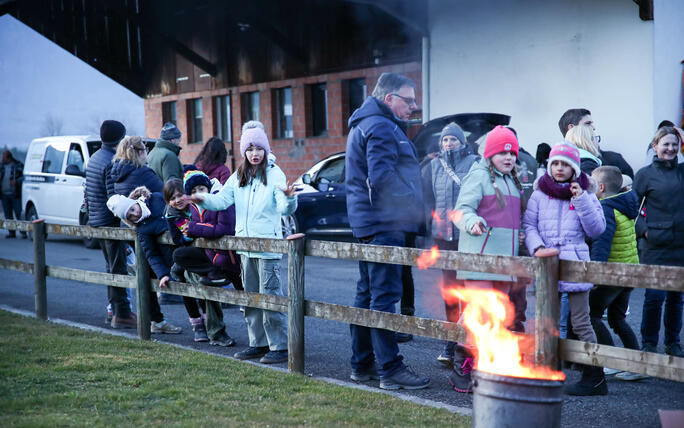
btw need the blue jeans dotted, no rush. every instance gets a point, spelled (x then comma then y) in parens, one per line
(379, 288)
(650, 318)
(564, 316)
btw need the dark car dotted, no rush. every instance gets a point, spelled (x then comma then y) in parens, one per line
(322, 203)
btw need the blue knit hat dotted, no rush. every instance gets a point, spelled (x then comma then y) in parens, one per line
(195, 178)
(169, 132)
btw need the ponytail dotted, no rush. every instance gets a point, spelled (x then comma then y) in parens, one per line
(523, 201)
(500, 199)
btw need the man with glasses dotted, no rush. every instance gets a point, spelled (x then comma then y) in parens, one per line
(582, 116)
(385, 205)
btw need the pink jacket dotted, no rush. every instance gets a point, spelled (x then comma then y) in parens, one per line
(564, 224)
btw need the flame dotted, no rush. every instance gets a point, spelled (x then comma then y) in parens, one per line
(436, 219)
(455, 216)
(427, 259)
(499, 351)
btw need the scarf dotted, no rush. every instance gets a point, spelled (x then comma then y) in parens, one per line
(557, 190)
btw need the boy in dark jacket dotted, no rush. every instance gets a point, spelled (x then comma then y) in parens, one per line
(616, 244)
(142, 211)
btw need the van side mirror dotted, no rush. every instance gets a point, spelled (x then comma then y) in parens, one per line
(306, 178)
(74, 170)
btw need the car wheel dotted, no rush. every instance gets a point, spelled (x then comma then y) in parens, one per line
(289, 225)
(31, 214)
(91, 243)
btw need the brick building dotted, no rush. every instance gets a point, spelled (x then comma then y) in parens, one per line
(316, 126)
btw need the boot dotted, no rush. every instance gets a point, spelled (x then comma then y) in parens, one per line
(461, 379)
(199, 329)
(593, 382)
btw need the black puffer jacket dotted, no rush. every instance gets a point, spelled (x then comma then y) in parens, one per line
(98, 190)
(127, 176)
(661, 183)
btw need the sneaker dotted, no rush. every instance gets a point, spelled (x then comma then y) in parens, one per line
(364, 375)
(647, 347)
(251, 353)
(406, 379)
(629, 376)
(404, 337)
(222, 339)
(164, 327)
(110, 315)
(674, 349)
(130, 321)
(610, 372)
(24, 235)
(200, 332)
(274, 357)
(177, 273)
(12, 234)
(447, 355)
(214, 279)
(462, 378)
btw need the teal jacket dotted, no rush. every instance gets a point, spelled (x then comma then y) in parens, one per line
(477, 202)
(163, 159)
(258, 207)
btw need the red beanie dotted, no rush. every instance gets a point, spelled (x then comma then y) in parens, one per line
(500, 139)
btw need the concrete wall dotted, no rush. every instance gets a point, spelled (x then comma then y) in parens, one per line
(535, 59)
(668, 37)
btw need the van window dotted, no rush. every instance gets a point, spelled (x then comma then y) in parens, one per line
(53, 159)
(93, 146)
(75, 156)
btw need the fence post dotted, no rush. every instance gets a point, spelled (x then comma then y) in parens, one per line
(143, 291)
(295, 310)
(547, 310)
(39, 269)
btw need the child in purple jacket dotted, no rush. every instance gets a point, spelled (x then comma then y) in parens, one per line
(561, 213)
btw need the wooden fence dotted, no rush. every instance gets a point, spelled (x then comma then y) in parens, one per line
(549, 349)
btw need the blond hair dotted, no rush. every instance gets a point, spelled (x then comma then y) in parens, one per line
(130, 150)
(583, 137)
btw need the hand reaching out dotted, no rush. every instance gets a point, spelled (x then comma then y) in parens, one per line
(197, 198)
(289, 191)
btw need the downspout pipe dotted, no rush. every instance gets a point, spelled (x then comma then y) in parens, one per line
(425, 78)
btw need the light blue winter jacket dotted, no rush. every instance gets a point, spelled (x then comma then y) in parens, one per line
(258, 207)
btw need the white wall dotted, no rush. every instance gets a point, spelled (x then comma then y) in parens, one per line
(668, 37)
(535, 59)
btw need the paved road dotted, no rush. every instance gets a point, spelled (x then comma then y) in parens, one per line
(631, 404)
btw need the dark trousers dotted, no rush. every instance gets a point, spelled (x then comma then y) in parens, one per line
(408, 306)
(672, 319)
(12, 208)
(452, 307)
(616, 300)
(379, 288)
(115, 262)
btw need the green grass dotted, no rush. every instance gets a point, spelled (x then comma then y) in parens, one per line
(52, 375)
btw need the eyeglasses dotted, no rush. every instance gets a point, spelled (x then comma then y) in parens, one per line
(596, 138)
(407, 100)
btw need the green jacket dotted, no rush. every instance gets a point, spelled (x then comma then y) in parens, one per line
(164, 161)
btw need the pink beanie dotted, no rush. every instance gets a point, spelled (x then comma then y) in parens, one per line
(500, 139)
(254, 137)
(568, 153)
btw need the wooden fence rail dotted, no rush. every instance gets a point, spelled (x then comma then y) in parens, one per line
(549, 350)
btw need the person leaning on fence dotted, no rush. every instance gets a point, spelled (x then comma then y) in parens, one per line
(384, 204)
(490, 203)
(659, 188)
(143, 211)
(616, 244)
(207, 266)
(260, 193)
(442, 178)
(562, 212)
(98, 188)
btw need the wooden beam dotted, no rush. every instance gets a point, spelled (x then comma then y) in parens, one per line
(657, 365)
(101, 278)
(16, 266)
(670, 278)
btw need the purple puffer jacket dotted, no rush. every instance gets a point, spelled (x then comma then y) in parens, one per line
(564, 224)
(213, 225)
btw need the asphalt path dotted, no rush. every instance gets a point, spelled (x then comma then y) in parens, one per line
(328, 348)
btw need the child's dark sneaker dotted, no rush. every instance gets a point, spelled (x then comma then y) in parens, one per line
(447, 355)
(251, 353)
(404, 379)
(222, 339)
(461, 378)
(130, 321)
(364, 375)
(199, 329)
(214, 279)
(274, 357)
(177, 273)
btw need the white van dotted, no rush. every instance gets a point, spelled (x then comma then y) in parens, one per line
(54, 176)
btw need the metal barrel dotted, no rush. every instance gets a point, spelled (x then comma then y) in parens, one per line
(505, 401)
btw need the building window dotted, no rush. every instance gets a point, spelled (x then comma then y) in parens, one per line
(357, 93)
(319, 109)
(283, 98)
(250, 106)
(222, 115)
(169, 112)
(195, 120)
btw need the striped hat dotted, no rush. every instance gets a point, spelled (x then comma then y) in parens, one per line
(568, 153)
(195, 178)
